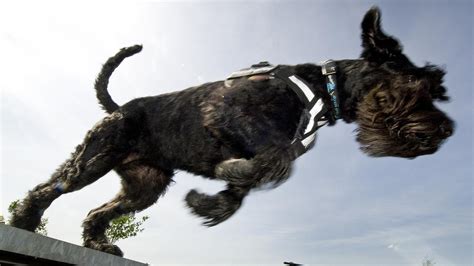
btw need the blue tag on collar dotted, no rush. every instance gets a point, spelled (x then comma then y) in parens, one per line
(329, 70)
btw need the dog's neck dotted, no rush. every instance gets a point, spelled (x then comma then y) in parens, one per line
(349, 89)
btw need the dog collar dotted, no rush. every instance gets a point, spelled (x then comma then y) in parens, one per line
(328, 69)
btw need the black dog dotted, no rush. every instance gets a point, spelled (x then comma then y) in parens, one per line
(246, 130)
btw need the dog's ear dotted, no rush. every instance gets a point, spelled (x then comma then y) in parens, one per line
(377, 46)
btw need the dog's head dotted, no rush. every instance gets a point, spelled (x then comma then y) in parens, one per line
(397, 115)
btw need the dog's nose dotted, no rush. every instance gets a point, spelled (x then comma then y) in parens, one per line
(446, 129)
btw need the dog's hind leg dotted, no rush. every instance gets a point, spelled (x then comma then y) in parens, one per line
(142, 185)
(103, 148)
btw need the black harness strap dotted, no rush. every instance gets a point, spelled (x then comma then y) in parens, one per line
(312, 117)
(314, 108)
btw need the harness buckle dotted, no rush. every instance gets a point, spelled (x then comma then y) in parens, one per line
(328, 68)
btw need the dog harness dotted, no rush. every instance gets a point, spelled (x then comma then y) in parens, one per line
(315, 109)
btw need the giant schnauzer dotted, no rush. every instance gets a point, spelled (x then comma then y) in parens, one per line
(246, 130)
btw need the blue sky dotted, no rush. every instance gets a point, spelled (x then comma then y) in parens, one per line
(339, 208)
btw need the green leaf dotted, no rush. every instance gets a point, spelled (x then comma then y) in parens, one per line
(13, 206)
(124, 227)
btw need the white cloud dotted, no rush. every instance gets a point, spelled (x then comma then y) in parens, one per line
(393, 246)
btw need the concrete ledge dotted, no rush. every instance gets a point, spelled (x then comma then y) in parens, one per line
(22, 247)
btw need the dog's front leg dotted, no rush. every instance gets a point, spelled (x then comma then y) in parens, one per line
(215, 209)
(271, 166)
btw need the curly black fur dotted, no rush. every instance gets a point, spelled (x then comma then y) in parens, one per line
(241, 134)
(108, 68)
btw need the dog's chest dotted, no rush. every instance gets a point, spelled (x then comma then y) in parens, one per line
(258, 109)
(311, 118)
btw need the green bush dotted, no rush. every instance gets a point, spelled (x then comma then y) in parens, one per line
(120, 228)
(124, 227)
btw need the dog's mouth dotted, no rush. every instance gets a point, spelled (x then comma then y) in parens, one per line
(424, 137)
(411, 137)
(422, 144)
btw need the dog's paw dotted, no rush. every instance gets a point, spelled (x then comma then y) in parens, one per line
(213, 209)
(26, 218)
(112, 249)
(195, 199)
(238, 172)
(104, 247)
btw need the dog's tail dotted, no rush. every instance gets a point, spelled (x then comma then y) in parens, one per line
(103, 78)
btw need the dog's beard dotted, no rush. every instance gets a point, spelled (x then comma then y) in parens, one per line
(407, 136)
(408, 127)
(378, 140)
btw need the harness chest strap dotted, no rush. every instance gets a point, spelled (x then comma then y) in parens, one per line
(314, 106)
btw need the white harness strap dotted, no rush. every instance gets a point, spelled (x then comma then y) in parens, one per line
(305, 92)
(303, 87)
(314, 107)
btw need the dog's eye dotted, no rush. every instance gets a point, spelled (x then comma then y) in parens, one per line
(411, 78)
